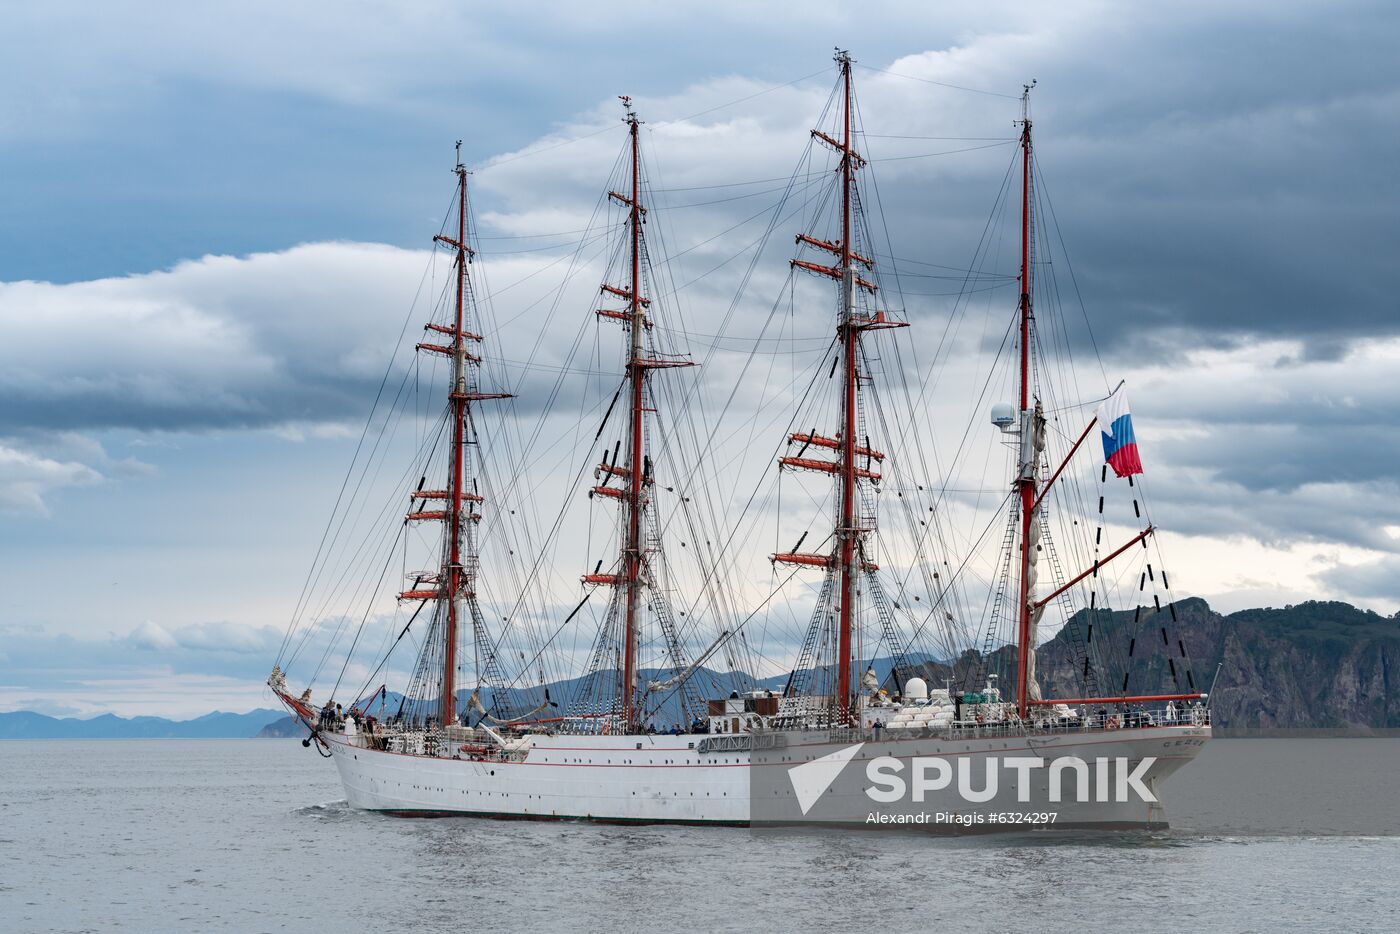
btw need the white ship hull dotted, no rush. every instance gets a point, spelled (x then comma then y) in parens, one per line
(671, 779)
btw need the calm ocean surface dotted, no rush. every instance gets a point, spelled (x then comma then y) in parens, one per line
(251, 835)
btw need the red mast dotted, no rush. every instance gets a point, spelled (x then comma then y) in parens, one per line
(848, 530)
(454, 484)
(1025, 475)
(636, 375)
(636, 472)
(848, 558)
(456, 580)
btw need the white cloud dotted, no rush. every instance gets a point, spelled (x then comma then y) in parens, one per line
(150, 635)
(229, 637)
(26, 478)
(220, 637)
(266, 339)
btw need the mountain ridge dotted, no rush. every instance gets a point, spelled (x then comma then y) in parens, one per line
(26, 724)
(1316, 665)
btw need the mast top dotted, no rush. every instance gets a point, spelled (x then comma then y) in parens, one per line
(631, 118)
(1026, 102)
(460, 168)
(842, 56)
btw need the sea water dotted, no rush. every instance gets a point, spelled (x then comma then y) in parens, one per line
(254, 835)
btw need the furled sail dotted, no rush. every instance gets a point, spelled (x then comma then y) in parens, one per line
(1037, 451)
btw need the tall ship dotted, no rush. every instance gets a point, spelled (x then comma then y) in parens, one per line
(685, 659)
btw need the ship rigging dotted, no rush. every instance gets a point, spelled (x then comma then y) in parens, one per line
(857, 648)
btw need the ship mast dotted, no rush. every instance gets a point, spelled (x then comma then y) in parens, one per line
(848, 562)
(1028, 457)
(635, 471)
(636, 377)
(848, 531)
(456, 578)
(458, 398)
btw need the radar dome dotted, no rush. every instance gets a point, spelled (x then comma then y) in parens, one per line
(1003, 415)
(916, 689)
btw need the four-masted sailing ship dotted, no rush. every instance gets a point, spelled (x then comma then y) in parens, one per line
(627, 732)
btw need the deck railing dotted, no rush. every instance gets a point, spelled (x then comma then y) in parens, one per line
(1088, 721)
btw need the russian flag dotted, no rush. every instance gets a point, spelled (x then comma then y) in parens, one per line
(1120, 449)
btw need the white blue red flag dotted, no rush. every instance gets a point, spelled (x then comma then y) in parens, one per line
(1120, 449)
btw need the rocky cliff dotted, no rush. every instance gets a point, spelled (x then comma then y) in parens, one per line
(1312, 665)
(1315, 665)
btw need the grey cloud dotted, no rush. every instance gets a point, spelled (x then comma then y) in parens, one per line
(1283, 458)
(1321, 512)
(1378, 579)
(228, 342)
(221, 638)
(217, 649)
(1221, 178)
(1203, 200)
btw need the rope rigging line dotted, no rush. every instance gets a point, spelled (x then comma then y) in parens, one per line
(349, 471)
(362, 557)
(496, 163)
(695, 495)
(349, 564)
(935, 522)
(941, 84)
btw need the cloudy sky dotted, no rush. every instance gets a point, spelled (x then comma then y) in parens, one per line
(215, 217)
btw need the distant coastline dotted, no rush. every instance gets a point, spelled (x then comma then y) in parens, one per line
(25, 724)
(1314, 669)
